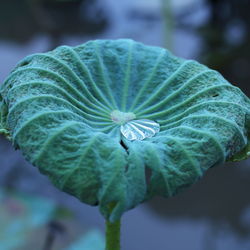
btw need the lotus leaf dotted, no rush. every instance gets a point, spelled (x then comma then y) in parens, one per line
(64, 110)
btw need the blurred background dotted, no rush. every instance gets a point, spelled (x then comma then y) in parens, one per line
(213, 214)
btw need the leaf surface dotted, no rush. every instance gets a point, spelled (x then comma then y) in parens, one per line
(59, 108)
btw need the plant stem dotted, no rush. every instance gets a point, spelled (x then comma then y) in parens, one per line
(168, 23)
(113, 235)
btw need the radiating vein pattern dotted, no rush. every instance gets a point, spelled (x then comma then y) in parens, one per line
(61, 109)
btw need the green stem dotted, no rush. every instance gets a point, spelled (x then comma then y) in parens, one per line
(113, 235)
(168, 23)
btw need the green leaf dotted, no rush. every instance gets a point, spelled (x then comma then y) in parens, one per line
(242, 155)
(3, 114)
(65, 108)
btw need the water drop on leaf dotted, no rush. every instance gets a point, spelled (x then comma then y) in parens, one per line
(139, 129)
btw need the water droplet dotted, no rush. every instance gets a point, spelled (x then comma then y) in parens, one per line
(139, 129)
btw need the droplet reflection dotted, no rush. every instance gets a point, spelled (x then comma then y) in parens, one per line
(139, 129)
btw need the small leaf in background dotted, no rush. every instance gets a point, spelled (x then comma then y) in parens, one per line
(29, 222)
(20, 216)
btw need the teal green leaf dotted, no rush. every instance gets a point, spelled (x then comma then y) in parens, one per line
(3, 114)
(242, 155)
(66, 109)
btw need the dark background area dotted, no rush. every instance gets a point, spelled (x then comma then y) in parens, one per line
(212, 214)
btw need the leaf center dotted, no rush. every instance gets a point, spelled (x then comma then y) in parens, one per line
(122, 117)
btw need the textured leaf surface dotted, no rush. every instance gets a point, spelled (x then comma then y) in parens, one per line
(59, 110)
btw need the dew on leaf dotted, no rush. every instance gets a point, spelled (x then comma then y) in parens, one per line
(139, 129)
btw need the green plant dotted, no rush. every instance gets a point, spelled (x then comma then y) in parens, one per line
(94, 117)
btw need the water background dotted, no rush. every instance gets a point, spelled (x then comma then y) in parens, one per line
(214, 214)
